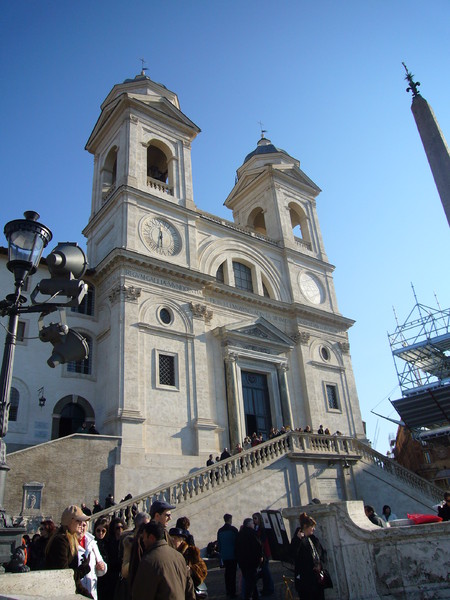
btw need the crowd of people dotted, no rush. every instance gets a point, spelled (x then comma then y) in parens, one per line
(120, 562)
(124, 558)
(258, 438)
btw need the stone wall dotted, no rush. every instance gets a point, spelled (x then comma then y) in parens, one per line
(367, 562)
(73, 469)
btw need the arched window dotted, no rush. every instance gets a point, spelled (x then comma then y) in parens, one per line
(220, 274)
(257, 221)
(109, 173)
(87, 304)
(242, 276)
(299, 224)
(157, 167)
(84, 367)
(14, 398)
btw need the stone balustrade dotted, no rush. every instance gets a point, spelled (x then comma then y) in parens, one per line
(160, 186)
(323, 447)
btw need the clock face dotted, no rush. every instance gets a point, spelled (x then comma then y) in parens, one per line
(311, 288)
(161, 236)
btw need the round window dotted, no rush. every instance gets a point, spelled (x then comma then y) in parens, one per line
(165, 315)
(325, 353)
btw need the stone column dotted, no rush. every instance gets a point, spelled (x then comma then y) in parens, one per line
(232, 399)
(203, 423)
(284, 395)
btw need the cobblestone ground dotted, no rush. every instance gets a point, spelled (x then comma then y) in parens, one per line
(216, 583)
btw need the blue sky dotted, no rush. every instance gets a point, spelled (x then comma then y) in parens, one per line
(326, 80)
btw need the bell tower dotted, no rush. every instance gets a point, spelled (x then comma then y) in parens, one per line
(142, 162)
(273, 196)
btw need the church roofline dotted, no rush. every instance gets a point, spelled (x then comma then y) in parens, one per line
(211, 287)
(126, 100)
(259, 176)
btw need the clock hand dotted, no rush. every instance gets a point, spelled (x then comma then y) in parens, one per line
(160, 237)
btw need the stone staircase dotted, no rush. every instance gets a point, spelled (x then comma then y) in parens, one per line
(256, 477)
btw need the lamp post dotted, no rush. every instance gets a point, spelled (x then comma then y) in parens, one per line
(26, 241)
(67, 263)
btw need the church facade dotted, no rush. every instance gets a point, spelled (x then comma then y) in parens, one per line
(201, 330)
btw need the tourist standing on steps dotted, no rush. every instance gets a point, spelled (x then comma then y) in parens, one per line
(250, 557)
(268, 585)
(226, 541)
(62, 548)
(88, 548)
(162, 573)
(161, 512)
(307, 553)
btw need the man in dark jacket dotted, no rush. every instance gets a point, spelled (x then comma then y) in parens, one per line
(444, 510)
(162, 573)
(249, 554)
(226, 541)
(372, 515)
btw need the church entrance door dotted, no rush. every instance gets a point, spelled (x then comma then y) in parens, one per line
(72, 418)
(256, 403)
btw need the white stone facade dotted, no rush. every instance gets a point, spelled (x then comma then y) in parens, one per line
(202, 330)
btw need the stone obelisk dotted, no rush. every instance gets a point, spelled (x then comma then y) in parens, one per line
(433, 142)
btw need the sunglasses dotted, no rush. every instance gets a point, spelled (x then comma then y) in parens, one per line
(100, 531)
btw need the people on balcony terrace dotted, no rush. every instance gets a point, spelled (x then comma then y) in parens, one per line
(444, 510)
(372, 515)
(387, 515)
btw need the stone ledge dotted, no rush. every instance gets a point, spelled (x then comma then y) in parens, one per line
(35, 585)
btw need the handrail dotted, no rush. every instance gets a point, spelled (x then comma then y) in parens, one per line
(291, 443)
(391, 466)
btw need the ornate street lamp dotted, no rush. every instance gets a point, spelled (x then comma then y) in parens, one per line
(26, 241)
(67, 263)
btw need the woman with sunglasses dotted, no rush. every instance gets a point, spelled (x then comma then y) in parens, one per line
(101, 537)
(115, 530)
(62, 548)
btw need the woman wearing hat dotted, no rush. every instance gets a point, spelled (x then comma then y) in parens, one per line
(191, 555)
(62, 548)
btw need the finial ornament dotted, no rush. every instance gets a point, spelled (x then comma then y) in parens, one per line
(143, 69)
(412, 85)
(263, 131)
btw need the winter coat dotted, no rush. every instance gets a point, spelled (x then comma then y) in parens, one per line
(249, 552)
(198, 567)
(303, 555)
(226, 540)
(90, 579)
(58, 556)
(163, 575)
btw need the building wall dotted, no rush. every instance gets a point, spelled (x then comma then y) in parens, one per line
(153, 253)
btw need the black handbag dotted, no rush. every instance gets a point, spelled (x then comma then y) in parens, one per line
(322, 576)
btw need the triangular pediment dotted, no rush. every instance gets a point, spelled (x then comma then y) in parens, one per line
(151, 104)
(254, 177)
(256, 334)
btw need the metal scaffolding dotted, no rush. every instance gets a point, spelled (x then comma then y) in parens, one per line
(421, 351)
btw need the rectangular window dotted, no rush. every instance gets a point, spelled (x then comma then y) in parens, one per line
(21, 331)
(242, 277)
(87, 304)
(167, 369)
(332, 397)
(84, 367)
